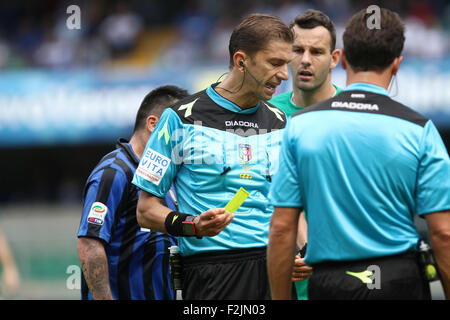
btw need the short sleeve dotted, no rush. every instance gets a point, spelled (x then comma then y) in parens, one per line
(433, 181)
(285, 187)
(103, 193)
(161, 158)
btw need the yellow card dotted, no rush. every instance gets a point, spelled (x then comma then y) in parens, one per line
(237, 200)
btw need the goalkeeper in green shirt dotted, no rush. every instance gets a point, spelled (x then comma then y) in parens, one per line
(313, 59)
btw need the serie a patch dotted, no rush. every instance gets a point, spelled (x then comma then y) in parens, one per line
(153, 166)
(97, 213)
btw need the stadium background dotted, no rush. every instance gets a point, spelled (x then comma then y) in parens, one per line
(67, 94)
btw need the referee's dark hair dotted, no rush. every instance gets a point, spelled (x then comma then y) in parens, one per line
(314, 18)
(254, 33)
(156, 101)
(373, 48)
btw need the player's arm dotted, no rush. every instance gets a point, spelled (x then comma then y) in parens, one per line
(103, 193)
(11, 278)
(152, 214)
(94, 265)
(281, 250)
(439, 229)
(300, 270)
(302, 234)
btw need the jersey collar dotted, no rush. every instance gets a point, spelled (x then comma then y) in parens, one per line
(363, 86)
(227, 104)
(124, 144)
(291, 99)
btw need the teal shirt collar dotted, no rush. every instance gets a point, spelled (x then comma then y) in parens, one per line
(367, 87)
(227, 104)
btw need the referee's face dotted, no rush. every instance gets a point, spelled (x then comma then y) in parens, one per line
(312, 60)
(267, 68)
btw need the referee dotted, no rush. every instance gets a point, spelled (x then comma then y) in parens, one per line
(210, 145)
(362, 165)
(119, 259)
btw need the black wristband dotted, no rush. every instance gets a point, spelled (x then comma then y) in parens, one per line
(174, 223)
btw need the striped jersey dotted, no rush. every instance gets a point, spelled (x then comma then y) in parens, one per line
(362, 165)
(138, 259)
(209, 148)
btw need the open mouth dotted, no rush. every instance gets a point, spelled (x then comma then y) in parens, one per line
(270, 86)
(305, 74)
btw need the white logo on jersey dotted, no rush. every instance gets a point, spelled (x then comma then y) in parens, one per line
(241, 124)
(355, 105)
(153, 166)
(97, 213)
(277, 112)
(188, 107)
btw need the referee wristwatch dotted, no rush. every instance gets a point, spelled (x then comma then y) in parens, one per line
(189, 227)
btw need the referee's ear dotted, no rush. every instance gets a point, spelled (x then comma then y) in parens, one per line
(151, 122)
(396, 64)
(343, 60)
(335, 55)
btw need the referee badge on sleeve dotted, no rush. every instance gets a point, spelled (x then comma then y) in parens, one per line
(97, 213)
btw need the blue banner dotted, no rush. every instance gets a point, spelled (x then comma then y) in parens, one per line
(40, 107)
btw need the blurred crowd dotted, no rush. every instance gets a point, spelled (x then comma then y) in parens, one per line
(35, 33)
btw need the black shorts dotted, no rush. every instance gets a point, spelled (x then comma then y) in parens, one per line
(226, 275)
(397, 277)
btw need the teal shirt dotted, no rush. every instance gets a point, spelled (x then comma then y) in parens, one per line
(361, 170)
(193, 143)
(283, 102)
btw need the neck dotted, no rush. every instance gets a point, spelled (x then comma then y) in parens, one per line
(379, 78)
(138, 143)
(305, 99)
(232, 88)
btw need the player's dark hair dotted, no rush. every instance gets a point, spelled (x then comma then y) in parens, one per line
(311, 19)
(371, 48)
(255, 31)
(156, 101)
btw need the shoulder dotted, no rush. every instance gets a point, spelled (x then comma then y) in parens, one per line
(275, 115)
(406, 113)
(112, 167)
(189, 108)
(369, 103)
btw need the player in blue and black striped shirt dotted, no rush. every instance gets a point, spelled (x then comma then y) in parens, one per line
(119, 259)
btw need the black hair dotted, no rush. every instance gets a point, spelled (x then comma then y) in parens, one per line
(371, 48)
(314, 18)
(254, 33)
(156, 101)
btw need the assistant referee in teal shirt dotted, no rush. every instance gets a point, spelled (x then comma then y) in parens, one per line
(362, 165)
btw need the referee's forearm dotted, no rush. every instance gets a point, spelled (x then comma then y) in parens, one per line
(280, 253)
(151, 213)
(441, 248)
(439, 230)
(279, 266)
